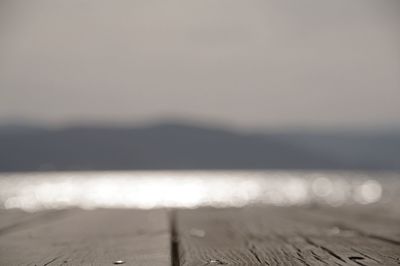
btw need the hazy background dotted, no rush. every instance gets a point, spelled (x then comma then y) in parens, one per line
(287, 70)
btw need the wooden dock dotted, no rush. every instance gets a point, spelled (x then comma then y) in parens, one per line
(245, 236)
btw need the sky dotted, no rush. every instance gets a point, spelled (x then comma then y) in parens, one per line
(245, 64)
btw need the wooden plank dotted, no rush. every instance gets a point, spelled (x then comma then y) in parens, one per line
(274, 236)
(10, 217)
(375, 222)
(14, 219)
(98, 237)
(344, 237)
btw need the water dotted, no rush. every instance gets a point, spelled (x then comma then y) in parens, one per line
(190, 189)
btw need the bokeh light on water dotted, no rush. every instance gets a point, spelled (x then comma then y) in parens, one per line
(190, 189)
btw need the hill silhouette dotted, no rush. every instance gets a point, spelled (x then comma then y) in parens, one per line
(175, 146)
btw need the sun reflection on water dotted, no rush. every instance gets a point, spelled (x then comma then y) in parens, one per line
(188, 189)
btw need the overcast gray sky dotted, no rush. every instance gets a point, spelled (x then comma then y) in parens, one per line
(247, 64)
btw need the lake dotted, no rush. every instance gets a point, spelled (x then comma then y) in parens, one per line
(190, 189)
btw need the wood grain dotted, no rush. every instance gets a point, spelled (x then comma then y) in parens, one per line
(98, 237)
(275, 236)
(374, 222)
(241, 236)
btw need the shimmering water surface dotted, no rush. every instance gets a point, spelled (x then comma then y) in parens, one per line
(189, 189)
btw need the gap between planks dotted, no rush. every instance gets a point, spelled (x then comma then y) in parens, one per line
(247, 236)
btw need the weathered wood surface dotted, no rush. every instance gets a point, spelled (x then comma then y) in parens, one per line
(244, 236)
(289, 236)
(12, 220)
(380, 223)
(98, 237)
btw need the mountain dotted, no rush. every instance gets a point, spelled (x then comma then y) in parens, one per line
(175, 146)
